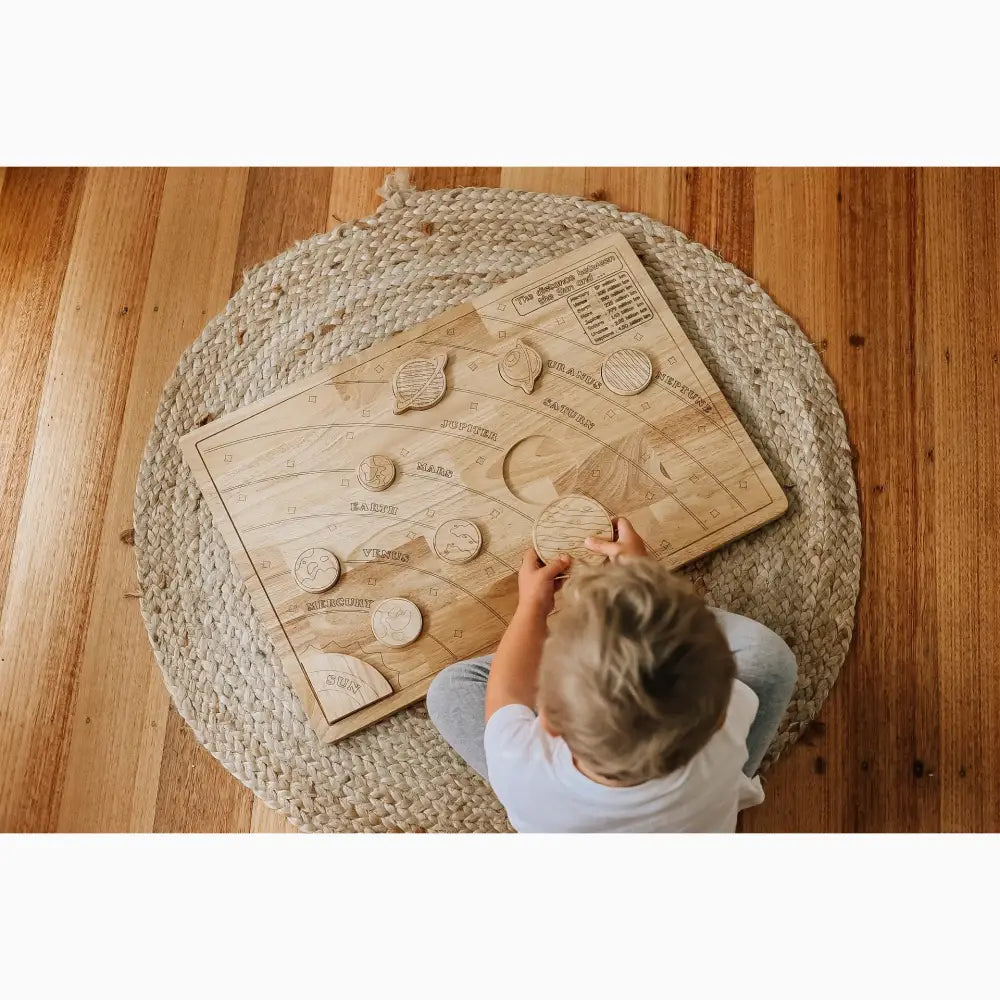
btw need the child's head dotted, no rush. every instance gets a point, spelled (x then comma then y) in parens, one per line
(636, 673)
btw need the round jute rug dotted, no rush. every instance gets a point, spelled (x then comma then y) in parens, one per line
(338, 293)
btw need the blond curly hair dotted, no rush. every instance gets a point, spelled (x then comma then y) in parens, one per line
(636, 673)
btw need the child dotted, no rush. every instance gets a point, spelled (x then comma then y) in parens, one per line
(642, 710)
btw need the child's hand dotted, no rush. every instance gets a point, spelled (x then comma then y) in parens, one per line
(628, 544)
(536, 584)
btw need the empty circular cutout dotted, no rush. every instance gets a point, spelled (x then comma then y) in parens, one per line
(532, 467)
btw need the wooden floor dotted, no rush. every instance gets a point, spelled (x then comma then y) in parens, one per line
(107, 275)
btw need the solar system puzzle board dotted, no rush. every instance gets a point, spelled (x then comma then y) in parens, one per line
(338, 492)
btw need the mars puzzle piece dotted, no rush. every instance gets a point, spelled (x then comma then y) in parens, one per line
(378, 511)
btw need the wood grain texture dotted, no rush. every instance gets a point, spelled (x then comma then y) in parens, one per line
(796, 254)
(280, 207)
(960, 359)
(37, 219)
(893, 274)
(50, 585)
(117, 735)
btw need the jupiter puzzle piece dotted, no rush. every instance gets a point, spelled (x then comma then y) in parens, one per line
(378, 510)
(564, 524)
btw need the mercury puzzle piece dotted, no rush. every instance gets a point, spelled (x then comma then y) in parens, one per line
(393, 460)
(396, 622)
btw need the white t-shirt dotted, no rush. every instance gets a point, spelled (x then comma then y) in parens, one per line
(534, 777)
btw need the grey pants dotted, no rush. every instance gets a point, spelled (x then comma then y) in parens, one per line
(456, 701)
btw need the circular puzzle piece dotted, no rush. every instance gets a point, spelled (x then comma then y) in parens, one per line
(520, 366)
(457, 541)
(627, 372)
(376, 472)
(396, 622)
(316, 570)
(419, 383)
(565, 523)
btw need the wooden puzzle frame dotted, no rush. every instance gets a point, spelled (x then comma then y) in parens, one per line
(281, 475)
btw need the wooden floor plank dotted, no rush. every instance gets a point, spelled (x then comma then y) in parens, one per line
(117, 737)
(37, 219)
(878, 387)
(554, 180)
(661, 193)
(354, 193)
(959, 287)
(795, 234)
(283, 205)
(264, 819)
(196, 794)
(722, 213)
(430, 178)
(50, 585)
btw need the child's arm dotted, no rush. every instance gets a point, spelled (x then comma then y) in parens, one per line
(513, 676)
(628, 542)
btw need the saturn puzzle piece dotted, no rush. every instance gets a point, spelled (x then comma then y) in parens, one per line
(419, 383)
(520, 366)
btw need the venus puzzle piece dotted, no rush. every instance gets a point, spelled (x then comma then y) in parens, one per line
(342, 683)
(457, 541)
(287, 475)
(419, 383)
(520, 366)
(376, 473)
(627, 372)
(316, 570)
(396, 622)
(565, 523)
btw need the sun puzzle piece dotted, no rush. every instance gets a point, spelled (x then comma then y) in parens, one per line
(457, 541)
(316, 570)
(565, 523)
(627, 372)
(376, 473)
(342, 683)
(419, 383)
(396, 622)
(520, 366)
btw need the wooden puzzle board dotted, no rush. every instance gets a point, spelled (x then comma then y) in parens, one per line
(281, 476)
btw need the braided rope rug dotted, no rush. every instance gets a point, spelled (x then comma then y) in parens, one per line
(338, 293)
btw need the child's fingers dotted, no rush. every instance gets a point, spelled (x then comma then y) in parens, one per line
(609, 549)
(555, 568)
(625, 529)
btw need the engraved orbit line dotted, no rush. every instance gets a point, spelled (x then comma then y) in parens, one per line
(360, 423)
(594, 350)
(445, 580)
(287, 475)
(349, 513)
(657, 430)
